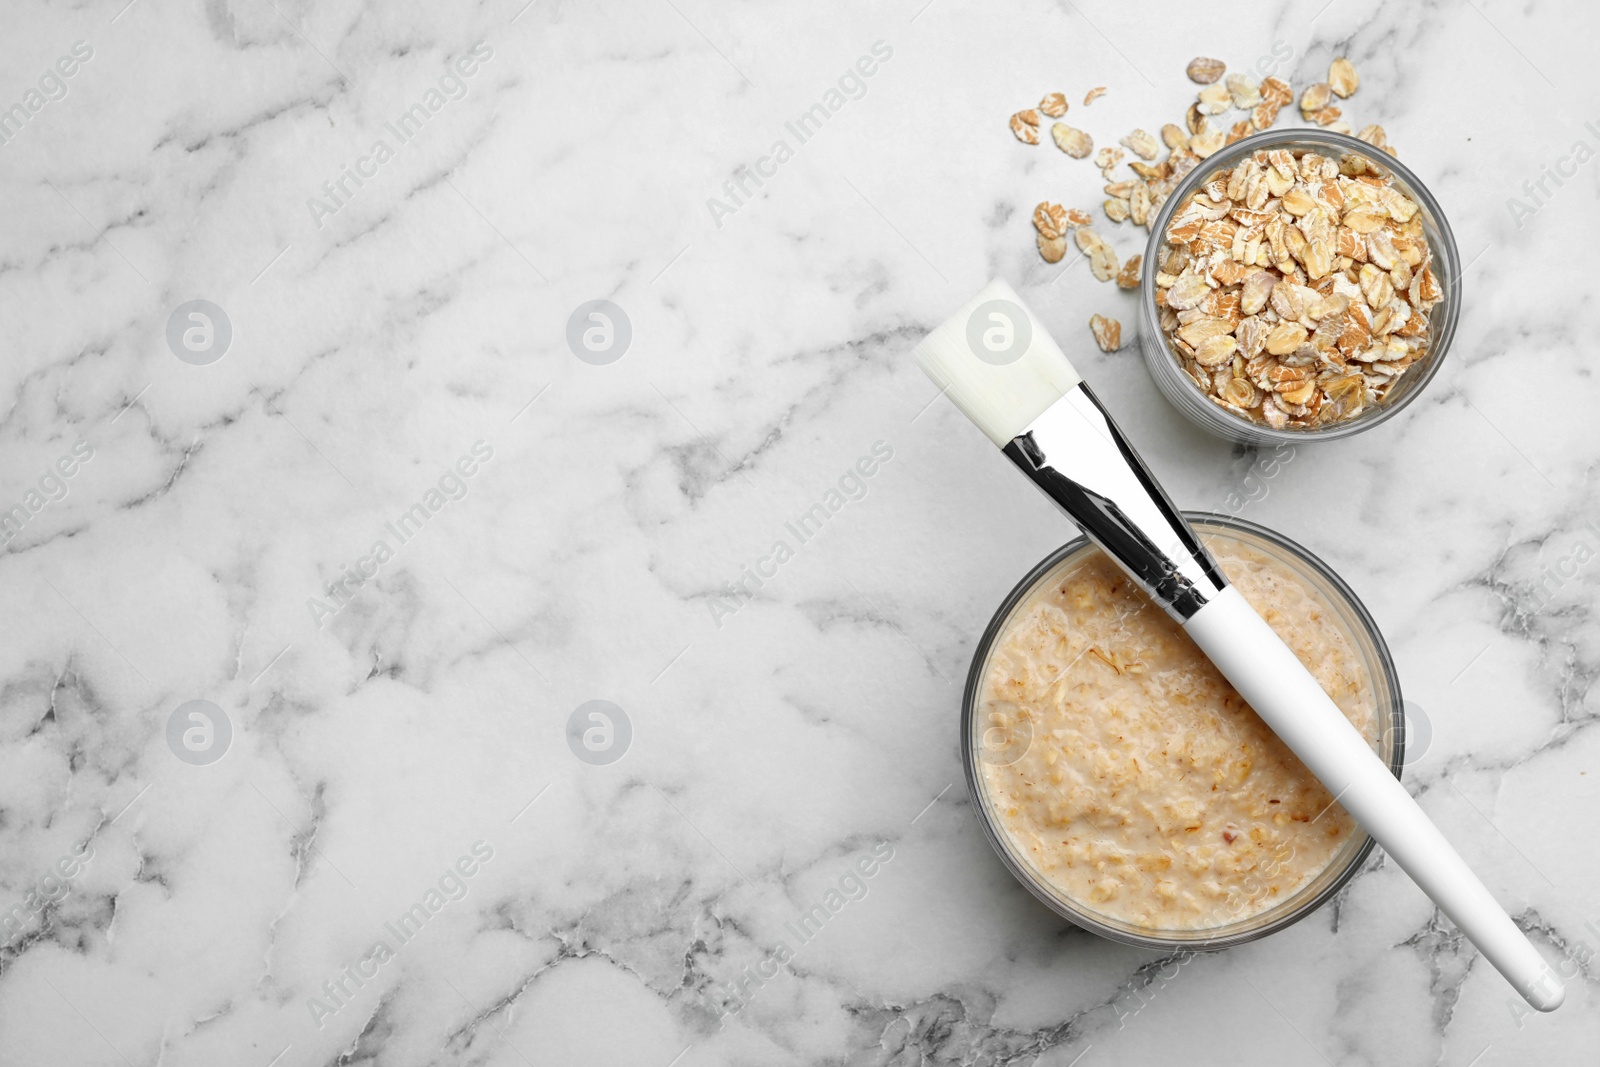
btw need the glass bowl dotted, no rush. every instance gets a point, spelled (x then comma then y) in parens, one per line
(1186, 396)
(1371, 652)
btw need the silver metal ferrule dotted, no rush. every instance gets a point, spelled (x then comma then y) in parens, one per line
(1076, 454)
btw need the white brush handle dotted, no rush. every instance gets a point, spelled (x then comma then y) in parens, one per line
(1275, 683)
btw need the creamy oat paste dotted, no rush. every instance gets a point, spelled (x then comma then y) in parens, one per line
(1139, 783)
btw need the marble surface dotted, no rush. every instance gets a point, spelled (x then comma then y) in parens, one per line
(396, 767)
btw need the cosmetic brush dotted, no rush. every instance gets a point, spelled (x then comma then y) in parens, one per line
(1000, 367)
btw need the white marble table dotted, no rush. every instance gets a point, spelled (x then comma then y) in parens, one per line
(395, 767)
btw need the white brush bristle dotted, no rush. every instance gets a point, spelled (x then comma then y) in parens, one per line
(997, 363)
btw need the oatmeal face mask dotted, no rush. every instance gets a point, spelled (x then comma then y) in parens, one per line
(1140, 783)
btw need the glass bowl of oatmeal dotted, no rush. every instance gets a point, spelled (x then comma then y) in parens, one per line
(1312, 300)
(1126, 784)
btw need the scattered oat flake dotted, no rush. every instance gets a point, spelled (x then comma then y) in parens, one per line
(1050, 219)
(1077, 217)
(1094, 94)
(1025, 124)
(1314, 98)
(1204, 71)
(1215, 99)
(1054, 105)
(1246, 94)
(1103, 262)
(1052, 248)
(1142, 144)
(1342, 77)
(1128, 276)
(1265, 114)
(1139, 204)
(1207, 144)
(1107, 332)
(1073, 142)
